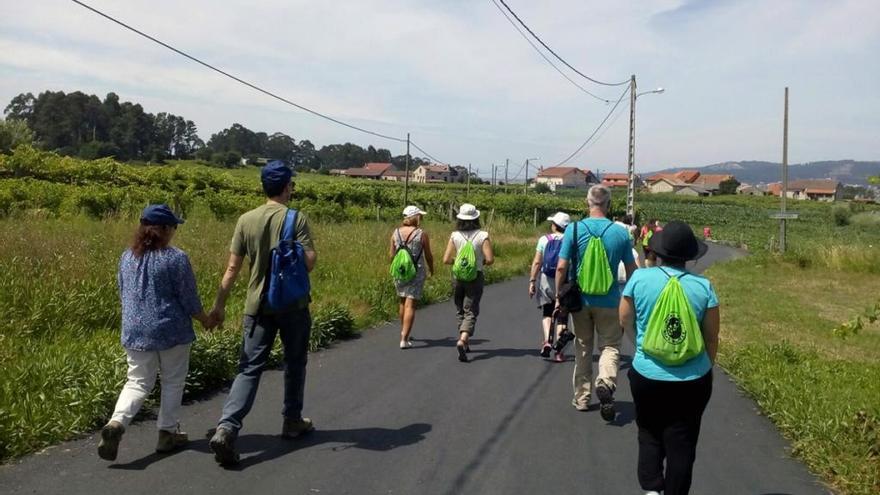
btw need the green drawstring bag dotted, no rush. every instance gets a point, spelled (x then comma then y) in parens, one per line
(464, 268)
(673, 336)
(403, 267)
(594, 274)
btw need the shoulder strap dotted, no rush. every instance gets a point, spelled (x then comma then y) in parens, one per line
(606, 229)
(588, 228)
(289, 230)
(670, 276)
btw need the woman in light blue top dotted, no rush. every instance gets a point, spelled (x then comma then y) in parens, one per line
(670, 400)
(159, 301)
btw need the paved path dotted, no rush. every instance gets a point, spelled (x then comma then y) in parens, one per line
(420, 422)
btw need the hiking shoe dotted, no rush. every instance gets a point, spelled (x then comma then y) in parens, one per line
(583, 405)
(171, 440)
(606, 402)
(293, 428)
(223, 446)
(559, 357)
(545, 349)
(111, 434)
(462, 352)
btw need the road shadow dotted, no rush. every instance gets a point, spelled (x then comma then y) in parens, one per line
(444, 342)
(626, 413)
(269, 447)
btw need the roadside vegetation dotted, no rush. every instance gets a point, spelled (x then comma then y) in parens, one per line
(65, 222)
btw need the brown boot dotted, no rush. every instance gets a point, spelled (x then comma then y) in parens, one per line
(293, 428)
(111, 434)
(170, 441)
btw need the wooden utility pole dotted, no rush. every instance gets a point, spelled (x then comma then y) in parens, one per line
(406, 176)
(784, 175)
(631, 168)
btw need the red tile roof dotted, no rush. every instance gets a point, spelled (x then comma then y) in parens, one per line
(381, 167)
(614, 176)
(559, 171)
(712, 181)
(814, 186)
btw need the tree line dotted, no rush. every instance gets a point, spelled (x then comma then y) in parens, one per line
(77, 124)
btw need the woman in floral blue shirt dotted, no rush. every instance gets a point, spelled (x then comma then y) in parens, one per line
(159, 300)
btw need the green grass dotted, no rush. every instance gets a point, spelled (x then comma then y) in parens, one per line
(59, 340)
(822, 391)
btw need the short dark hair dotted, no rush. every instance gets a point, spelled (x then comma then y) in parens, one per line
(274, 189)
(467, 225)
(628, 219)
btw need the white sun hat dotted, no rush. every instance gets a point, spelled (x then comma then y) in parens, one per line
(468, 211)
(560, 218)
(411, 211)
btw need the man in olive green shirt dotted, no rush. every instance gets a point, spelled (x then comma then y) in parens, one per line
(256, 233)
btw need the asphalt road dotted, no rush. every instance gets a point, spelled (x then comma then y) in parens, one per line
(419, 422)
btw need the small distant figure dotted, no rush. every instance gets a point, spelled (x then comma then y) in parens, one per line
(159, 300)
(648, 231)
(410, 251)
(542, 282)
(707, 233)
(468, 251)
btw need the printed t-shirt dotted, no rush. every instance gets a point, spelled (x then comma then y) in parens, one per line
(256, 233)
(617, 247)
(644, 288)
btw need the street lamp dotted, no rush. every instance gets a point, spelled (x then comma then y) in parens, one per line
(526, 189)
(631, 187)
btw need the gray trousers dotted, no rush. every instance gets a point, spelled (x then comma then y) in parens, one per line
(259, 335)
(467, 297)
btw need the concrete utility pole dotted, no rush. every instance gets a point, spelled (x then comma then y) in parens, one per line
(467, 192)
(526, 186)
(506, 165)
(406, 175)
(631, 167)
(784, 175)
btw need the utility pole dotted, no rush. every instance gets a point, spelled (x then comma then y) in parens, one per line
(631, 168)
(468, 190)
(506, 165)
(784, 175)
(493, 176)
(526, 185)
(406, 175)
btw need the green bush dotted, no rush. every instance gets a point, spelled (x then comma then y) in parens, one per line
(841, 214)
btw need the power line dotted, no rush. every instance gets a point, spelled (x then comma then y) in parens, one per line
(414, 145)
(238, 79)
(584, 144)
(541, 53)
(523, 24)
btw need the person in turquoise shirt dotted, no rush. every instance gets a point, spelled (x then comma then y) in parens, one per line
(670, 400)
(599, 316)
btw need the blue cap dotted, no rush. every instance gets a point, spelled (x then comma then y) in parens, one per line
(159, 215)
(276, 172)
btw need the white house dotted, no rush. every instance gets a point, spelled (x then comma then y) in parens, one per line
(566, 178)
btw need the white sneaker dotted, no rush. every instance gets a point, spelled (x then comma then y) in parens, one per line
(652, 493)
(405, 344)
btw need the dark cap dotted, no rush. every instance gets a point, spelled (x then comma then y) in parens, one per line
(159, 215)
(276, 173)
(677, 242)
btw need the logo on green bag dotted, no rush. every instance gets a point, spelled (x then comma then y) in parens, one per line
(673, 332)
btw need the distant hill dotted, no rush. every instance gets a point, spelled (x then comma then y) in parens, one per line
(755, 172)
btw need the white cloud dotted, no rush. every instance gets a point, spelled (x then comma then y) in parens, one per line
(461, 79)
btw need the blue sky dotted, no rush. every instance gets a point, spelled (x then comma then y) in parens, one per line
(458, 77)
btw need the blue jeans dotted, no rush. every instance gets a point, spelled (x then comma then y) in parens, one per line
(259, 336)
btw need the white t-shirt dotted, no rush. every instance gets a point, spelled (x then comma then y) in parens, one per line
(477, 237)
